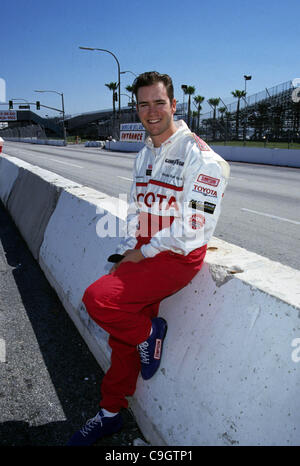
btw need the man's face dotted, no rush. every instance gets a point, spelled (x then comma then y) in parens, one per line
(156, 112)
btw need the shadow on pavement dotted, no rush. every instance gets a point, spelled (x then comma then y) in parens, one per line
(74, 372)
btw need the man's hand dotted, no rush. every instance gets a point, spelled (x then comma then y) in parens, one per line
(131, 255)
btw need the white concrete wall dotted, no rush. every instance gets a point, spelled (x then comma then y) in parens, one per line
(9, 170)
(100, 144)
(229, 374)
(124, 146)
(227, 377)
(282, 157)
(30, 194)
(34, 140)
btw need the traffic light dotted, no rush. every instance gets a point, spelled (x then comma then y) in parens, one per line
(38, 105)
(115, 96)
(10, 105)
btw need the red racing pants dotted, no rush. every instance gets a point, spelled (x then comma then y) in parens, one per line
(124, 302)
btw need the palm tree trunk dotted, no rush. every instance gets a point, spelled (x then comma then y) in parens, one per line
(114, 104)
(189, 111)
(237, 119)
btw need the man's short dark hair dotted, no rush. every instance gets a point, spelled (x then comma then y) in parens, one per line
(153, 77)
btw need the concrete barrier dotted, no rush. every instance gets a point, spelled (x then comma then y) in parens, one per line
(9, 171)
(34, 140)
(281, 157)
(124, 146)
(228, 376)
(100, 144)
(30, 194)
(230, 370)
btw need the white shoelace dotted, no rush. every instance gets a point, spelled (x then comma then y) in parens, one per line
(144, 353)
(91, 424)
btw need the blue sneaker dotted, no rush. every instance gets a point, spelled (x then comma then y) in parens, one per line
(96, 428)
(151, 349)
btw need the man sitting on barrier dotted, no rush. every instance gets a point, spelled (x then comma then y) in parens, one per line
(174, 206)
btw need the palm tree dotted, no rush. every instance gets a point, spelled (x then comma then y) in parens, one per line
(130, 89)
(238, 95)
(194, 116)
(214, 102)
(113, 87)
(190, 90)
(222, 110)
(198, 99)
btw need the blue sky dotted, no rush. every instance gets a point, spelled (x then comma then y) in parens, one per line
(209, 45)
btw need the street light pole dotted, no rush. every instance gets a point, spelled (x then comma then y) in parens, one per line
(63, 110)
(119, 72)
(132, 99)
(128, 71)
(247, 78)
(184, 88)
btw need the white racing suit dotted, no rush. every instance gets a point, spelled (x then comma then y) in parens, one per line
(176, 195)
(174, 207)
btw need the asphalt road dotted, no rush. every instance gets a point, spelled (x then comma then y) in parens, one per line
(50, 382)
(261, 206)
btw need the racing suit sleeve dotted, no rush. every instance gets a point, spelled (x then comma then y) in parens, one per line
(132, 220)
(199, 209)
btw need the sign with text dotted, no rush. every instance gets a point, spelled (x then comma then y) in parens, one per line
(132, 127)
(132, 132)
(132, 136)
(8, 115)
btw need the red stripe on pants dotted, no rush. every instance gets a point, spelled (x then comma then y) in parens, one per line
(123, 303)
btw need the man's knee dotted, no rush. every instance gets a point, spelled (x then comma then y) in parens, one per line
(96, 298)
(92, 297)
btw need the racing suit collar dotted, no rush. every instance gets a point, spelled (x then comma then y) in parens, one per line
(181, 127)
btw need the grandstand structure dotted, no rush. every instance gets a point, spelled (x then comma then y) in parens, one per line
(270, 115)
(30, 124)
(100, 124)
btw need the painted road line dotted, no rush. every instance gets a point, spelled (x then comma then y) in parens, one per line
(124, 178)
(66, 163)
(2, 350)
(271, 216)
